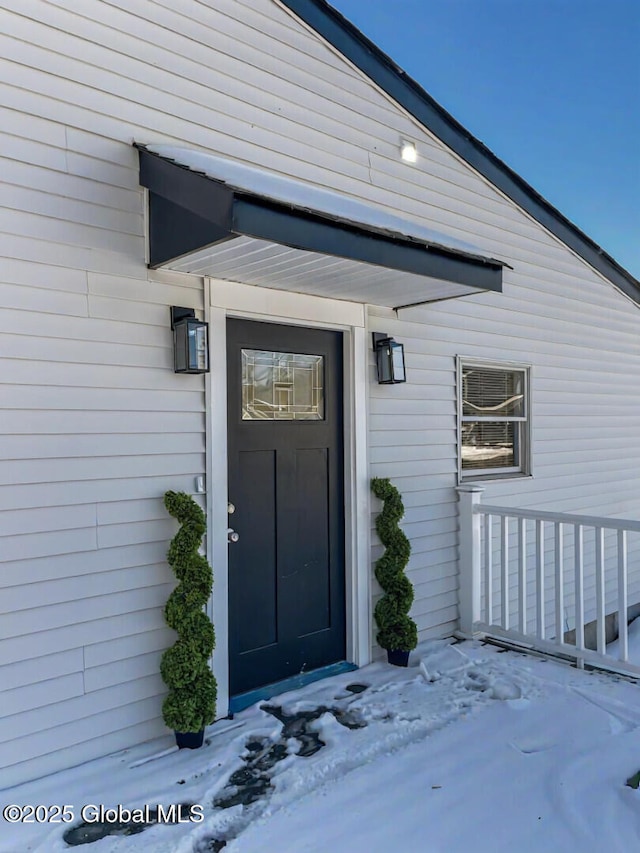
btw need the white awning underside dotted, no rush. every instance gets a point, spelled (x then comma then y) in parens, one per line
(250, 261)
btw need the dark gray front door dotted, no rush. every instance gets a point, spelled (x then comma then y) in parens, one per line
(286, 481)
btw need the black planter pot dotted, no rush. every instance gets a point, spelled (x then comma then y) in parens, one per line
(397, 657)
(189, 740)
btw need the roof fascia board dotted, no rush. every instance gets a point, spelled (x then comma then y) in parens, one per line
(365, 55)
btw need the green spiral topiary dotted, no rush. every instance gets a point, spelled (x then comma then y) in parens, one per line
(191, 702)
(396, 630)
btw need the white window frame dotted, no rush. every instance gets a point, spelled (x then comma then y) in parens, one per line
(522, 470)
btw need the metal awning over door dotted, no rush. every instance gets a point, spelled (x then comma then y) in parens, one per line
(211, 216)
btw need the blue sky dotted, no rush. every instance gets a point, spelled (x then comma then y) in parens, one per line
(552, 87)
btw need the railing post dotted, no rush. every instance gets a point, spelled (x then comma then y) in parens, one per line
(469, 496)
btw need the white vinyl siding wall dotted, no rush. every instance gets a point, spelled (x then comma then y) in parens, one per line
(96, 426)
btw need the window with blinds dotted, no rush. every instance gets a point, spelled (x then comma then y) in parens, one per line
(493, 420)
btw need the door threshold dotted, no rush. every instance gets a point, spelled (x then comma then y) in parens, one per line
(294, 682)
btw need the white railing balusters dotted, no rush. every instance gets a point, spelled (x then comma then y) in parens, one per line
(623, 602)
(488, 570)
(540, 586)
(578, 532)
(594, 570)
(559, 581)
(522, 575)
(504, 572)
(601, 636)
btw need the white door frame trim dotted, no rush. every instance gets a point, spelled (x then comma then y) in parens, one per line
(225, 299)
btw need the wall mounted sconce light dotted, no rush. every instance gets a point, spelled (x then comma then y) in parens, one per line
(408, 151)
(190, 341)
(389, 359)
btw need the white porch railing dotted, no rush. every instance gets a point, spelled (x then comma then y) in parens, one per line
(555, 582)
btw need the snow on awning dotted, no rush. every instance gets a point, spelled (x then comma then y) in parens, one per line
(216, 217)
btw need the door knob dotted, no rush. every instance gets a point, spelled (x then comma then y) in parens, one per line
(232, 536)
(230, 508)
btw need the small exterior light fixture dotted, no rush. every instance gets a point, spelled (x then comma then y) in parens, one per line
(408, 151)
(190, 341)
(389, 359)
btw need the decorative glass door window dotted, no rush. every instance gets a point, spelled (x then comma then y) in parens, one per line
(282, 386)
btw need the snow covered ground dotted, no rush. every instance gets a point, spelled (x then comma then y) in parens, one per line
(469, 749)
